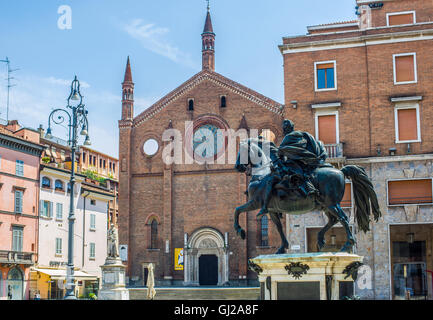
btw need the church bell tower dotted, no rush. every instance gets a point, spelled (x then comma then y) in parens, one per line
(128, 94)
(208, 44)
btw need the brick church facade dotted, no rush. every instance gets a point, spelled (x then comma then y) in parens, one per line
(166, 208)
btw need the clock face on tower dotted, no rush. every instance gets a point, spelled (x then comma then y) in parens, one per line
(208, 141)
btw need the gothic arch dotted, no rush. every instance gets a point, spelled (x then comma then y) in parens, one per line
(151, 217)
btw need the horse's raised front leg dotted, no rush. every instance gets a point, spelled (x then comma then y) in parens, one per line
(332, 220)
(284, 243)
(249, 206)
(345, 223)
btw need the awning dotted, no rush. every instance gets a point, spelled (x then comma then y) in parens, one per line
(57, 274)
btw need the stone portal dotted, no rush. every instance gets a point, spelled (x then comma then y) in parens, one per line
(206, 259)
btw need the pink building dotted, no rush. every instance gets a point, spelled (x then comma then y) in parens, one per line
(20, 153)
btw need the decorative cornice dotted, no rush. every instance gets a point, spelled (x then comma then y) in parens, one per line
(20, 145)
(359, 38)
(214, 77)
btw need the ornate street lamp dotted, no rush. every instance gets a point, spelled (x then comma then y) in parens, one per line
(76, 116)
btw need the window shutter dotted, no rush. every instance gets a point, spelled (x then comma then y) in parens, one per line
(18, 201)
(407, 125)
(398, 19)
(404, 68)
(327, 129)
(410, 191)
(347, 198)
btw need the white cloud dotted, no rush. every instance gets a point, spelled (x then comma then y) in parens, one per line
(64, 82)
(152, 38)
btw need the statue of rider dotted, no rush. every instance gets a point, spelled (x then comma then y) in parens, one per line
(298, 155)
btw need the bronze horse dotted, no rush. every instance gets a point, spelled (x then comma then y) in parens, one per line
(330, 183)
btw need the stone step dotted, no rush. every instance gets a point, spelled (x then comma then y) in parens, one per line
(198, 293)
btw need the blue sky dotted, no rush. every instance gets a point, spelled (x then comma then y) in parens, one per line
(161, 37)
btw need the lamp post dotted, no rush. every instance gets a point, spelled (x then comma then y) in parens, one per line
(76, 116)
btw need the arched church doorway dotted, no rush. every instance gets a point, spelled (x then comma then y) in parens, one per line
(206, 259)
(208, 270)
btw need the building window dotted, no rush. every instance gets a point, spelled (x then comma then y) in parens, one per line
(92, 251)
(223, 102)
(407, 123)
(401, 192)
(17, 238)
(327, 129)
(58, 185)
(59, 211)
(405, 68)
(46, 209)
(93, 202)
(114, 167)
(326, 75)
(58, 246)
(84, 157)
(191, 104)
(264, 225)
(19, 194)
(100, 163)
(154, 234)
(103, 164)
(400, 18)
(19, 168)
(46, 183)
(347, 198)
(92, 221)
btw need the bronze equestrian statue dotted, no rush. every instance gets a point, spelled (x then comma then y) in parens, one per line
(295, 179)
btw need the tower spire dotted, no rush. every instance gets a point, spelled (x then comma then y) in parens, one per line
(208, 43)
(127, 93)
(128, 73)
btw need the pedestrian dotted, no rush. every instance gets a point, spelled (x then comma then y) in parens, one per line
(9, 292)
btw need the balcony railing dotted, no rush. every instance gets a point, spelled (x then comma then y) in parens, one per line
(16, 257)
(334, 150)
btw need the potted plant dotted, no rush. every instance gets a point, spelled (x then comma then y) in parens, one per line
(46, 160)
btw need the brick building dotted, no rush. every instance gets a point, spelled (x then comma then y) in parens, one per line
(169, 210)
(364, 87)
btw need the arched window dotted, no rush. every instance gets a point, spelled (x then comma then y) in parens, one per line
(268, 135)
(191, 104)
(223, 102)
(46, 183)
(154, 234)
(58, 185)
(264, 240)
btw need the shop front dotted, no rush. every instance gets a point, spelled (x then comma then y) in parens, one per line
(50, 283)
(411, 261)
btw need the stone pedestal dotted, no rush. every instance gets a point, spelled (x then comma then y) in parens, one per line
(113, 281)
(307, 276)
